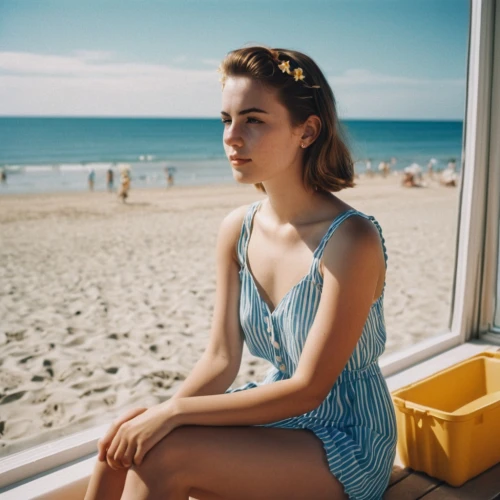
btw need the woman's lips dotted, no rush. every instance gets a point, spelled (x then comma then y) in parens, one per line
(238, 162)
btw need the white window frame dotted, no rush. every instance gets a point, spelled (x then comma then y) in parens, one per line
(474, 290)
(491, 272)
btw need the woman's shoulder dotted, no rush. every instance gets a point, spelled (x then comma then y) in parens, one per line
(356, 236)
(232, 224)
(234, 219)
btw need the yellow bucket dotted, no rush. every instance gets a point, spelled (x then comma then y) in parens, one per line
(449, 423)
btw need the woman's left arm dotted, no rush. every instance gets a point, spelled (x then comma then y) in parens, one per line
(352, 265)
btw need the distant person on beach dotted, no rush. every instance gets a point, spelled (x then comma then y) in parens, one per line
(3, 176)
(110, 179)
(449, 177)
(384, 168)
(124, 182)
(169, 173)
(369, 171)
(430, 168)
(91, 178)
(300, 279)
(412, 176)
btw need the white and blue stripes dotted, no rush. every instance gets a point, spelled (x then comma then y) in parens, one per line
(356, 421)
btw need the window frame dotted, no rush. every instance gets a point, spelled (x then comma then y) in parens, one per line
(490, 306)
(477, 246)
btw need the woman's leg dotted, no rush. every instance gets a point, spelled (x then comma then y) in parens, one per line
(106, 483)
(234, 463)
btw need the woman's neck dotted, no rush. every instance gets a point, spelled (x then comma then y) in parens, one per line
(295, 205)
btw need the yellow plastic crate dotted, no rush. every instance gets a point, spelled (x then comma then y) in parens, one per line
(449, 423)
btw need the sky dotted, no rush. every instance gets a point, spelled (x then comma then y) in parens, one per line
(385, 59)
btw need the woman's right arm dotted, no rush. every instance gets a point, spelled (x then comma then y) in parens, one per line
(218, 366)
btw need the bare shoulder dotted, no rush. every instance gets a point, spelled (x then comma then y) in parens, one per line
(230, 228)
(355, 238)
(233, 221)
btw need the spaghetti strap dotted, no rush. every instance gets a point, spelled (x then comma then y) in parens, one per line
(377, 225)
(246, 228)
(318, 253)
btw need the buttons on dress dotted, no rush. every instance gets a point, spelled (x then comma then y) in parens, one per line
(282, 368)
(278, 358)
(267, 320)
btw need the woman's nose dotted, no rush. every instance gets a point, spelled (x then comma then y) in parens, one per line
(232, 136)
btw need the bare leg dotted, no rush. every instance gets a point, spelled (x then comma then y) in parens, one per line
(106, 483)
(234, 463)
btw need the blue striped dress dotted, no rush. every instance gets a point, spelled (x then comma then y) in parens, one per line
(356, 421)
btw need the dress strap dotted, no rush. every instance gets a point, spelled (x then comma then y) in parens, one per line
(318, 254)
(377, 225)
(246, 228)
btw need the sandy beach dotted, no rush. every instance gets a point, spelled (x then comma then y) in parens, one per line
(106, 305)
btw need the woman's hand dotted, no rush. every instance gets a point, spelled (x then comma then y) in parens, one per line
(135, 436)
(104, 443)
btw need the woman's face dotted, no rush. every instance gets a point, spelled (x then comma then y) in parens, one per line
(257, 131)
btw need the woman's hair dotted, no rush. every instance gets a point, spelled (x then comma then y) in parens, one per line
(328, 164)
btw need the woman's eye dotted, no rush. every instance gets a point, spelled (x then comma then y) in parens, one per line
(249, 120)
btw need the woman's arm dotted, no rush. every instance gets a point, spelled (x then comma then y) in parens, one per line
(217, 368)
(353, 264)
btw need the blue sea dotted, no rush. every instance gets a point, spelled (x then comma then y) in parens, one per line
(55, 154)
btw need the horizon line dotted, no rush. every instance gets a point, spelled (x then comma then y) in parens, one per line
(152, 117)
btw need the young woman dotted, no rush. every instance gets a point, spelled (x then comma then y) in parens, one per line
(301, 280)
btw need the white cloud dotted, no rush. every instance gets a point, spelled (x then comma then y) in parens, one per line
(90, 83)
(93, 55)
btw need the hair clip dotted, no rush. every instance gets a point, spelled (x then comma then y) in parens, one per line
(297, 73)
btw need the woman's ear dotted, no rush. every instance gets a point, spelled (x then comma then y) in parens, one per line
(311, 130)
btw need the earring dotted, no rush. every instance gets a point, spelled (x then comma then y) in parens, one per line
(302, 145)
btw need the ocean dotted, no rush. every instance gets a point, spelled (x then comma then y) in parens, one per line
(55, 154)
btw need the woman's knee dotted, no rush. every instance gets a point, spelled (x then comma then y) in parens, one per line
(168, 459)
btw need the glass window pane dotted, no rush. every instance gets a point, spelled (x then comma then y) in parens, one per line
(106, 300)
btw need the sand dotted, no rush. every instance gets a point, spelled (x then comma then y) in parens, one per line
(105, 305)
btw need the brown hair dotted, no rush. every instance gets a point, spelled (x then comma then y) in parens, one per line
(328, 165)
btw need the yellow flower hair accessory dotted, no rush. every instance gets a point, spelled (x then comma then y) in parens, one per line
(298, 74)
(285, 67)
